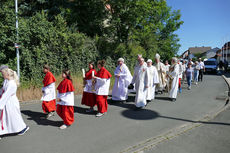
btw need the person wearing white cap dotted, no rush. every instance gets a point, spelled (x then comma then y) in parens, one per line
(173, 79)
(161, 74)
(123, 78)
(140, 79)
(153, 80)
(11, 120)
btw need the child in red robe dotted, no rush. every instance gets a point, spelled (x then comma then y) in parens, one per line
(65, 100)
(49, 92)
(88, 97)
(102, 88)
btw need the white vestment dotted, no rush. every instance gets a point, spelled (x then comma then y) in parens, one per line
(49, 92)
(180, 70)
(67, 98)
(88, 86)
(140, 78)
(10, 115)
(120, 88)
(153, 80)
(161, 75)
(167, 67)
(174, 81)
(102, 86)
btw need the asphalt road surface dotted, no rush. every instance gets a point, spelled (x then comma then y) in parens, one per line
(121, 127)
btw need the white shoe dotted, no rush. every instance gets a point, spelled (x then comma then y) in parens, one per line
(50, 114)
(90, 110)
(63, 127)
(99, 114)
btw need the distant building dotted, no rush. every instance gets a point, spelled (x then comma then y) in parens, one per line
(210, 53)
(225, 52)
(192, 51)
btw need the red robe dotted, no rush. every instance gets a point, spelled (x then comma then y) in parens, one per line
(66, 112)
(49, 106)
(101, 100)
(88, 98)
(49, 78)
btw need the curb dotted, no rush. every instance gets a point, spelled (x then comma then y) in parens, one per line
(173, 133)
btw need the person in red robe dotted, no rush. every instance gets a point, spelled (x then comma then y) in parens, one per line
(88, 97)
(49, 92)
(65, 98)
(102, 88)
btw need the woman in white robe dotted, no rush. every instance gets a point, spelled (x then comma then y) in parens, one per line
(10, 116)
(140, 78)
(173, 79)
(153, 80)
(123, 78)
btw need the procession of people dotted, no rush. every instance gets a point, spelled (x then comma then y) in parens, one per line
(148, 80)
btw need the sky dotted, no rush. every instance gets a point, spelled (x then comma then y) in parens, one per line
(206, 22)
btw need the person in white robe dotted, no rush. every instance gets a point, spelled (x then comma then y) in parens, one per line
(11, 120)
(173, 79)
(161, 74)
(123, 78)
(180, 75)
(153, 80)
(167, 65)
(140, 79)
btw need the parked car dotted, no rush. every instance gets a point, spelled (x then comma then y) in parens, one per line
(211, 65)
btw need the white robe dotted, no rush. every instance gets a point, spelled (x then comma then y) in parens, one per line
(10, 114)
(120, 88)
(153, 80)
(49, 92)
(67, 98)
(140, 78)
(88, 86)
(180, 70)
(102, 86)
(161, 75)
(174, 76)
(167, 67)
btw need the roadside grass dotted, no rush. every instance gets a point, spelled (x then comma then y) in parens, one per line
(31, 91)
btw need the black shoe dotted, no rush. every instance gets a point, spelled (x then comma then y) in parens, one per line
(148, 101)
(24, 131)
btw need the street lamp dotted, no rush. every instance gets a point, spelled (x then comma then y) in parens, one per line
(16, 44)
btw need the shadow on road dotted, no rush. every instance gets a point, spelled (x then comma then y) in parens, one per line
(143, 114)
(192, 121)
(81, 110)
(39, 118)
(163, 98)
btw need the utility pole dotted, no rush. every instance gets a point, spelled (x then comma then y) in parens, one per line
(16, 44)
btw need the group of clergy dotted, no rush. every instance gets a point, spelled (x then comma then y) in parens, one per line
(147, 79)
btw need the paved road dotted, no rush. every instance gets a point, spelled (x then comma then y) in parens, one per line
(211, 137)
(120, 128)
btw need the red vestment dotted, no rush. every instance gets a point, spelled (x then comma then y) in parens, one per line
(88, 98)
(64, 111)
(101, 100)
(49, 106)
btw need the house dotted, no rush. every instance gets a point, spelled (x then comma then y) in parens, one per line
(210, 53)
(225, 52)
(192, 51)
